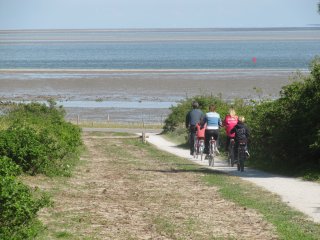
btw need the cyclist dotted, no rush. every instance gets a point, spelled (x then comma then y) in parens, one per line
(213, 121)
(229, 122)
(192, 118)
(242, 134)
(200, 130)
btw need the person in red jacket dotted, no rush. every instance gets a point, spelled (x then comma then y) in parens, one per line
(229, 122)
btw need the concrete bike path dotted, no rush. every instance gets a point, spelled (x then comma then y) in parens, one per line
(301, 195)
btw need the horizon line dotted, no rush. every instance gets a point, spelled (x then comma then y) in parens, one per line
(310, 26)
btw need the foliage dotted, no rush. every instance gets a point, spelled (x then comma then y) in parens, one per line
(285, 133)
(39, 140)
(34, 138)
(18, 210)
(8, 167)
(288, 128)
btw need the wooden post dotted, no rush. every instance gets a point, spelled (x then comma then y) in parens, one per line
(78, 119)
(143, 137)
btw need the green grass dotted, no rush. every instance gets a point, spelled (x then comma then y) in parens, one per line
(289, 223)
(165, 227)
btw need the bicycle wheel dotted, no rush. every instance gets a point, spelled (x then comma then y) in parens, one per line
(201, 147)
(211, 153)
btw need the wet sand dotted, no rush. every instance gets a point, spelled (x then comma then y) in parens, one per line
(135, 85)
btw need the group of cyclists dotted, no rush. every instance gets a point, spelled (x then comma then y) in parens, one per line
(207, 126)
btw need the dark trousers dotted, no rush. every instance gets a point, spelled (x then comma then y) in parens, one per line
(208, 134)
(192, 134)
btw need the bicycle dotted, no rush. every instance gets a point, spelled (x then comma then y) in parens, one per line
(212, 148)
(231, 153)
(242, 156)
(198, 147)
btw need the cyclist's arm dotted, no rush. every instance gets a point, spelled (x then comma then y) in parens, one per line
(187, 120)
(220, 123)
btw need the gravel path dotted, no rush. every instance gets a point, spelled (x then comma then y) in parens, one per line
(301, 195)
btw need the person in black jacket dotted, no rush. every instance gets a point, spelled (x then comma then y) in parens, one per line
(192, 119)
(242, 134)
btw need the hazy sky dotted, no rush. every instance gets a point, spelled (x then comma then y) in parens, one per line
(46, 14)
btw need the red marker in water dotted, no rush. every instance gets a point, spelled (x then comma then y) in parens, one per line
(254, 60)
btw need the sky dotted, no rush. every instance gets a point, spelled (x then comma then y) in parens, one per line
(97, 14)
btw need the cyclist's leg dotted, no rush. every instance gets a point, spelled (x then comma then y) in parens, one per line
(235, 150)
(215, 135)
(242, 156)
(206, 141)
(227, 143)
(192, 135)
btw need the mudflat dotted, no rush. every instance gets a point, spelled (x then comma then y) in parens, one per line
(139, 85)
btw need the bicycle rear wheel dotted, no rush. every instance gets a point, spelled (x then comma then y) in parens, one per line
(211, 155)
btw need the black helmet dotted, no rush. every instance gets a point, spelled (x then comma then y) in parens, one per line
(195, 104)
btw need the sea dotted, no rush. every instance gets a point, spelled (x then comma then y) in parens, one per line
(270, 48)
(34, 54)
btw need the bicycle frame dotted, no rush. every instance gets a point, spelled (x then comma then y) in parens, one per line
(212, 146)
(198, 147)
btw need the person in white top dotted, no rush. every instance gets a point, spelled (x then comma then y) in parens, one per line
(213, 121)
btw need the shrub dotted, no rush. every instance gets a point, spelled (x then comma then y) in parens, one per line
(286, 131)
(18, 210)
(8, 167)
(39, 140)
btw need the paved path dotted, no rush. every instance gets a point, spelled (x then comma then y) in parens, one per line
(301, 195)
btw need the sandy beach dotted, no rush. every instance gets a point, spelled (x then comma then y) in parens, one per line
(138, 86)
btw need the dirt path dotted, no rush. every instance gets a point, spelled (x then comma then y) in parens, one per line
(302, 195)
(125, 193)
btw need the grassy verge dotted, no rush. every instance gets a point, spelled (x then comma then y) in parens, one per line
(289, 224)
(68, 222)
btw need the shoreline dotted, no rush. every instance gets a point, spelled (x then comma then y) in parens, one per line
(148, 86)
(151, 70)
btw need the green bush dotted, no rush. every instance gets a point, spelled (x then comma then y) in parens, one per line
(18, 210)
(286, 131)
(39, 139)
(8, 167)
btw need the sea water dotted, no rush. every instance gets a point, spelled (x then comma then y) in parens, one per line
(65, 54)
(160, 49)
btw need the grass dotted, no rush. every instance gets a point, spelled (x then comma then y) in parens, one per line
(165, 227)
(289, 223)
